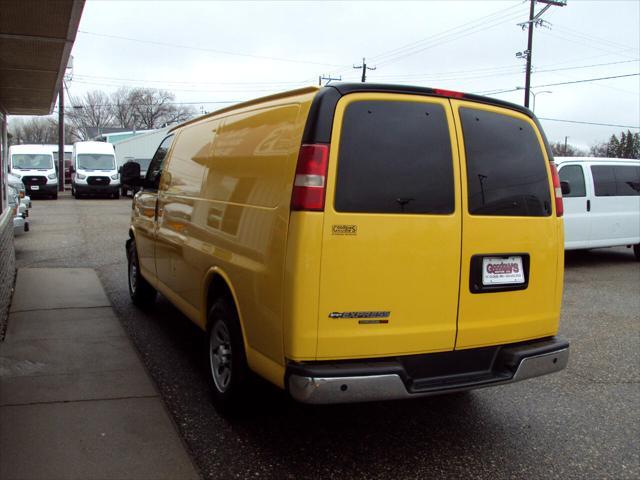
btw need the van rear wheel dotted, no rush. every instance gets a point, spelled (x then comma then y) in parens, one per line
(141, 292)
(227, 360)
(636, 251)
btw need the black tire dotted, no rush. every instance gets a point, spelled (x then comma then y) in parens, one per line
(228, 371)
(141, 292)
(636, 251)
(116, 195)
(54, 196)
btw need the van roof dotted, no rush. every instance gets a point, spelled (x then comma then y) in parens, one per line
(330, 92)
(94, 147)
(594, 159)
(24, 148)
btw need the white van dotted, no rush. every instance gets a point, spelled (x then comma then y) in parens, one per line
(34, 165)
(602, 208)
(95, 170)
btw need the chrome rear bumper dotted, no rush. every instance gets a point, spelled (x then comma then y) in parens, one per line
(392, 386)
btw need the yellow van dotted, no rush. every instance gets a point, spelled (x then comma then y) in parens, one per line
(358, 242)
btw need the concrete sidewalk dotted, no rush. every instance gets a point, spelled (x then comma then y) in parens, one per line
(75, 400)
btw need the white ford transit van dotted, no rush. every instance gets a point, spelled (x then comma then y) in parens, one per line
(33, 164)
(95, 170)
(602, 208)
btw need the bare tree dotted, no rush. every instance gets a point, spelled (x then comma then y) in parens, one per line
(40, 130)
(92, 110)
(559, 149)
(152, 106)
(122, 107)
(179, 113)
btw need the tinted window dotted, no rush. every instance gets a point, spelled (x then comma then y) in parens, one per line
(506, 171)
(395, 157)
(155, 167)
(627, 180)
(604, 181)
(575, 176)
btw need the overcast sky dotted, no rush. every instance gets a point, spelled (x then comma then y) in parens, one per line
(231, 51)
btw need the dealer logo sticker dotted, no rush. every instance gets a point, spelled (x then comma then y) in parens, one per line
(344, 229)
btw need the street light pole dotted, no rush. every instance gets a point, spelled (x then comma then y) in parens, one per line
(534, 98)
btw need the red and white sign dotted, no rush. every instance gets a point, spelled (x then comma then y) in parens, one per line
(500, 271)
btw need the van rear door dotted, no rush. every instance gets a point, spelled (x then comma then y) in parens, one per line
(512, 246)
(392, 228)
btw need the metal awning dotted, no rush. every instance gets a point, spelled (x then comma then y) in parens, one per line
(35, 43)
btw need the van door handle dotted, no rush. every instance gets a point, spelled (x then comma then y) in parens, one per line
(588, 205)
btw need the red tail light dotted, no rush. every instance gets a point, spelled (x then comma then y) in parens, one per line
(311, 174)
(557, 189)
(448, 93)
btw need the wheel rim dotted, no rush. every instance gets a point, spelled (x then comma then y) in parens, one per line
(220, 356)
(133, 274)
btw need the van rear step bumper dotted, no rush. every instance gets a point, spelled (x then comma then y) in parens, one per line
(415, 376)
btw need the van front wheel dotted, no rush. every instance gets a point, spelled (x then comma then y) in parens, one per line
(141, 292)
(636, 250)
(227, 360)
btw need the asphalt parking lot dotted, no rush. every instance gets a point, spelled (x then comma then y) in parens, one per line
(582, 422)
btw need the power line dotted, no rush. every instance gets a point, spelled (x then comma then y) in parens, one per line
(210, 50)
(179, 82)
(503, 70)
(594, 39)
(449, 38)
(452, 31)
(492, 92)
(588, 123)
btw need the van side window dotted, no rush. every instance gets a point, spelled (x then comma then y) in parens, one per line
(506, 171)
(575, 176)
(395, 157)
(616, 180)
(627, 180)
(155, 167)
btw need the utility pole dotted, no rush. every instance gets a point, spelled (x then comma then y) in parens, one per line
(63, 85)
(534, 21)
(329, 79)
(565, 145)
(61, 138)
(364, 69)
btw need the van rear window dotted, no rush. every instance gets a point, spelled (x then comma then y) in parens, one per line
(616, 180)
(395, 157)
(506, 171)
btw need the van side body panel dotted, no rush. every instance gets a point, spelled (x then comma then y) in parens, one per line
(501, 317)
(224, 204)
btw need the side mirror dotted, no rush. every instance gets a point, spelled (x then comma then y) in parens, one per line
(565, 187)
(130, 174)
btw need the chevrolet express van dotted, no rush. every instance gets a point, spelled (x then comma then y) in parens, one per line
(34, 165)
(602, 208)
(94, 170)
(358, 242)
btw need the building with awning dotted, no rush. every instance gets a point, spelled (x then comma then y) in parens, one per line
(36, 38)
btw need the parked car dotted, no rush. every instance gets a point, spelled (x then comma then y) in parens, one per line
(16, 183)
(20, 222)
(33, 164)
(94, 170)
(357, 242)
(602, 207)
